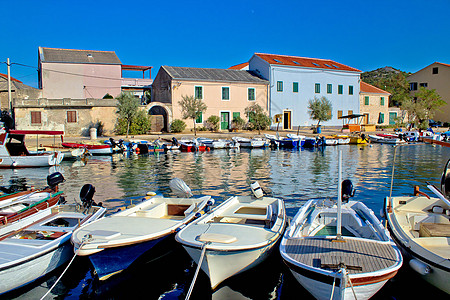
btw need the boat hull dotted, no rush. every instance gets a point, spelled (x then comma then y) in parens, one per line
(93, 149)
(31, 161)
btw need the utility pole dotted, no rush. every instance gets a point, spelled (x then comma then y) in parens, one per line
(9, 87)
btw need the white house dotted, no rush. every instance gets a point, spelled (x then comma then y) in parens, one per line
(295, 80)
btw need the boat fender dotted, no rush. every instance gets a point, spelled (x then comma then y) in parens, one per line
(210, 202)
(438, 210)
(382, 213)
(137, 150)
(198, 215)
(419, 267)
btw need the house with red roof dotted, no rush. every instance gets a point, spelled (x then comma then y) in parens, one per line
(435, 76)
(374, 105)
(295, 80)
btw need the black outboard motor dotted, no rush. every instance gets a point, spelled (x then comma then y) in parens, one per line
(174, 141)
(445, 181)
(113, 142)
(86, 194)
(347, 190)
(54, 179)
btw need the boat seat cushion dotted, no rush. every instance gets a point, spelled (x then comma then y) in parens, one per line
(216, 238)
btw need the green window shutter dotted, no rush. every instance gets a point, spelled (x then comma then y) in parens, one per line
(350, 89)
(225, 93)
(199, 118)
(340, 89)
(236, 115)
(295, 87)
(366, 100)
(382, 101)
(279, 86)
(317, 88)
(198, 92)
(329, 88)
(251, 94)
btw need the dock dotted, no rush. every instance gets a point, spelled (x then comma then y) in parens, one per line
(431, 141)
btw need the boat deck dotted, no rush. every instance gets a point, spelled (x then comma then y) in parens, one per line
(359, 256)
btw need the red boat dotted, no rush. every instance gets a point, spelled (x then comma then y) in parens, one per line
(192, 146)
(95, 149)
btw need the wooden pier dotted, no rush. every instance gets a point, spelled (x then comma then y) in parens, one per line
(431, 141)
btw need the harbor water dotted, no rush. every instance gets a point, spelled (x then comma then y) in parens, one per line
(292, 175)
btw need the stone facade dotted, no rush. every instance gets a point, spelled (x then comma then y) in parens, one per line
(374, 104)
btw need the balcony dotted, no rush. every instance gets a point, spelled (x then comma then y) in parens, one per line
(137, 82)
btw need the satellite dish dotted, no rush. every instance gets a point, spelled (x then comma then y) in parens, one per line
(445, 180)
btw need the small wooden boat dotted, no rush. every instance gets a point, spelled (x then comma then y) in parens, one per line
(40, 243)
(251, 143)
(14, 153)
(235, 236)
(342, 139)
(213, 144)
(283, 142)
(192, 145)
(420, 225)
(339, 250)
(94, 149)
(358, 139)
(115, 242)
(311, 142)
(385, 139)
(300, 138)
(329, 141)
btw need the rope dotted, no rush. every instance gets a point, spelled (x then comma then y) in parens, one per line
(65, 270)
(351, 284)
(197, 270)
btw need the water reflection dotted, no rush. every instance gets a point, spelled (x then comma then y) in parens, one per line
(295, 176)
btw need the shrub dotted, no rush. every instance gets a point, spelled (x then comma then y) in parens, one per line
(140, 124)
(238, 123)
(213, 123)
(177, 126)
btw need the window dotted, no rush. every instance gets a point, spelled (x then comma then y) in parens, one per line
(382, 101)
(71, 116)
(381, 118)
(435, 70)
(339, 114)
(423, 84)
(317, 88)
(340, 89)
(277, 60)
(225, 93)
(329, 88)
(199, 118)
(198, 92)
(316, 64)
(295, 87)
(296, 62)
(413, 86)
(251, 94)
(236, 115)
(350, 89)
(366, 100)
(279, 86)
(36, 117)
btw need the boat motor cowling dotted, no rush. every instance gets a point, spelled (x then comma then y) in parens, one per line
(347, 190)
(54, 179)
(445, 180)
(86, 194)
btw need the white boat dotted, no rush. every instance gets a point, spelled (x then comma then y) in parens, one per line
(113, 243)
(339, 250)
(342, 139)
(385, 139)
(251, 143)
(40, 243)
(235, 236)
(420, 225)
(213, 144)
(14, 153)
(329, 141)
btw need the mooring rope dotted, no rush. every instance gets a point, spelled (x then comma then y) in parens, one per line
(65, 270)
(351, 284)
(334, 284)
(199, 264)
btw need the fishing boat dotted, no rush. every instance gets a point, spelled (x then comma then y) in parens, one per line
(311, 142)
(14, 153)
(94, 149)
(283, 142)
(329, 141)
(254, 142)
(235, 236)
(187, 145)
(113, 243)
(40, 243)
(339, 250)
(342, 139)
(300, 138)
(358, 139)
(385, 139)
(420, 225)
(213, 144)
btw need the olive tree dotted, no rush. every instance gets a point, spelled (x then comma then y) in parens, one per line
(127, 108)
(320, 109)
(257, 118)
(422, 107)
(191, 108)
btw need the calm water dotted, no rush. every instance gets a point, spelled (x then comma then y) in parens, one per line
(295, 176)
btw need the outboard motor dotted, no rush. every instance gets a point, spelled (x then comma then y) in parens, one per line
(347, 190)
(174, 141)
(121, 145)
(445, 181)
(54, 179)
(86, 194)
(113, 142)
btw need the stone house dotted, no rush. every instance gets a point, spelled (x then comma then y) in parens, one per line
(374, 105)
(18, 90)
(225, 92)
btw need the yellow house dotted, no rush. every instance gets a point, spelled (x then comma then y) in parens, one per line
(374, 105)
(225, 92)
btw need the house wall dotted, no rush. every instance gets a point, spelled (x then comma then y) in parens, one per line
(30, 93)
(375, 108)
(297, 102)
(162, 86)
(212, 97)
(439, 82)
(77, 81)
(54, 114)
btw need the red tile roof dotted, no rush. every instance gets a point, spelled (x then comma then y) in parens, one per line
(368, 88)
(305, 62)
(6, 77)
(239, 66)
(443, 64)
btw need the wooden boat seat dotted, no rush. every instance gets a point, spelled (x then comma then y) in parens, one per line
(156, 210)
(216, 238)
(434, 230)
(334, 262)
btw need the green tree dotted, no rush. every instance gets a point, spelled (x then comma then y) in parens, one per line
(177, 126)
(320, 109)
(191, 108)
(258, 119)
(127, 108)
(213, 123)
(141, 124)
(423, 107)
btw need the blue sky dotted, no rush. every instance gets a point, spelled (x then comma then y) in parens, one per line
(404, 34)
